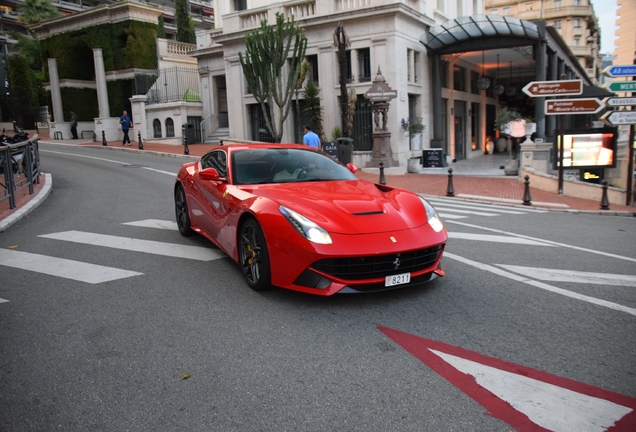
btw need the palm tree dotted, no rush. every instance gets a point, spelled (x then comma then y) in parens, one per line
(34, 11)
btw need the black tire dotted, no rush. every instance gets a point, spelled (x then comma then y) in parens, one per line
(253, 256)
(181, 212)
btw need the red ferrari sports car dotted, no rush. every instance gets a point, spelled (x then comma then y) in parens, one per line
(293, 217)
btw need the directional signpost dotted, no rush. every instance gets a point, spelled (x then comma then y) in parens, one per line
(615, 118)
(621, 86)
(620, 71)
(554, 88)
(573, 106)
(620, 101)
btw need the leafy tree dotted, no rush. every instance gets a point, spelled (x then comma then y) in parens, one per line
(29, 47)
(341, 40)
(23, 85)
(34, 11)
(271, 76)
(161, 28)
(185, 25)
(313, 108)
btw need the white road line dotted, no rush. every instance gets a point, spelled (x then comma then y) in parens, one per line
(558, 275)
(510, 200)
(137, 245)
(611, 255)
(451, 216)
(495, 239)
(465, 211)
(542, 285)
(64, 268)
(173, 174)
(477, 207)
(155, 223)
(3, 300)
(476, 204)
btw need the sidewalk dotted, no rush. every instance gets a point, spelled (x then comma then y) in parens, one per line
(479, 179)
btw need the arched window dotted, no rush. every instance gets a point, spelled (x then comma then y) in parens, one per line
(169, 127)
(156, 127)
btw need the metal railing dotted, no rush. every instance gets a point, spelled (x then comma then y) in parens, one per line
(19, 168)
(169, 85)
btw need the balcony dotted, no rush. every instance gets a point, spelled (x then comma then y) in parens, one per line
(581, 50)
(568, 11)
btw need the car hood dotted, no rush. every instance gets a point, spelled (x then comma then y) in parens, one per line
(351, 207)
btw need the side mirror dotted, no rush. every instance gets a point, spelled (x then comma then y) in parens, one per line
(210, 174)
(352, 167)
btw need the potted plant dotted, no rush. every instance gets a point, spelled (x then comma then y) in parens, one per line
(504, 123)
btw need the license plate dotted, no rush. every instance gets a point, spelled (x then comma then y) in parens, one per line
(399, 279)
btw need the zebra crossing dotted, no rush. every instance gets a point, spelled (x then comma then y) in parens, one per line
(454, 209)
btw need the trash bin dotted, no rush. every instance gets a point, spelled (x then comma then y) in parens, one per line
(345, 150)
(190, 133)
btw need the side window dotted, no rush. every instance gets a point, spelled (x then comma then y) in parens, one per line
(169, 127)
(217, 160)
(156, 128)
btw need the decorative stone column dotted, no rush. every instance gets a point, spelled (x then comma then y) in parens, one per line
(379, 94)
(58, 125)
(140, 124)
(110, 125)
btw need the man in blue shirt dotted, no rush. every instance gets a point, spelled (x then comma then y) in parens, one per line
(124, 121)
(310, 138)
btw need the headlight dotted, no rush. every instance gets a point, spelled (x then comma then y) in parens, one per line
(305, 227)
(433, 219)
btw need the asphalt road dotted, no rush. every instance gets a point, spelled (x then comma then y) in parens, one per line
(176, 344)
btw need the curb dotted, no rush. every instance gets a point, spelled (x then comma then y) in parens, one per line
(30, 206)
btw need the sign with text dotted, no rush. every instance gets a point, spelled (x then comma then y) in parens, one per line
(573, 106)
(620, 101)
(620, 71)
(433, 158)
(331, 148)
(621, 86)
(616, 118)
(553, 88)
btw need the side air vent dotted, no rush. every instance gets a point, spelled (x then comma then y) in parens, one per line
(371, 213)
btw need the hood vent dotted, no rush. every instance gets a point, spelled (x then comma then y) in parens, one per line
(371, 213)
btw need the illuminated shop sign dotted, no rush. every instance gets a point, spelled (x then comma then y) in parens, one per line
(589, 149)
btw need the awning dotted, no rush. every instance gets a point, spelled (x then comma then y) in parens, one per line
(455, 35)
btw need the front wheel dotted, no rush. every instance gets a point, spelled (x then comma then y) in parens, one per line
(253, 256)
(181, 212)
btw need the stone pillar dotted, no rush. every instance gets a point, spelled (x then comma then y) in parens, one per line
(138, 115)
(550, 122)
(436, 91)
(539, 103)
(58, 125)
(110, 125)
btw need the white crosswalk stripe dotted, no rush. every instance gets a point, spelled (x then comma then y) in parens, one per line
(154, 223)
(131, 244)
(450, 208)
(496, 239)
(64, 268)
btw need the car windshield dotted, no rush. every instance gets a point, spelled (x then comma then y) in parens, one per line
(279, 165)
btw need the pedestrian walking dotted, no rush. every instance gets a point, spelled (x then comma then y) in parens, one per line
(74, 125)
(310, 138)
(124, 121)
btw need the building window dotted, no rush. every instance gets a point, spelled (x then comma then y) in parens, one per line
(444, 73)
(474, 77)
(577, 23)
(459, 78)
(494, 11)
(557, 3)
(557, 24)
(460, 8)
(313, 68)
(413, 60)
(529, 6)
(169, 128)
(506, 11)
(576, 42)
(364, 64)
(441, 5)
(240, 5)
(156, 128)
(577, 2)
(349, 77)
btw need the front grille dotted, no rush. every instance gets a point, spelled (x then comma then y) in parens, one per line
(379, 266)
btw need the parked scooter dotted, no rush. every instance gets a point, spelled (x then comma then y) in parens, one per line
(16, 155)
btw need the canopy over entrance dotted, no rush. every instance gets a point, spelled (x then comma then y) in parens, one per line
(475, 32)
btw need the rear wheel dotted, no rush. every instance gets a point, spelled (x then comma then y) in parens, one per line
(253, 256)
(181, 211)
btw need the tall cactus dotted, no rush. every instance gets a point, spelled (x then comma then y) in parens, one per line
(272, 79)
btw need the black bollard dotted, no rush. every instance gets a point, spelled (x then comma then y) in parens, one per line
(104, 143)
(527, 199)
(141, 146)
(382, 179)
(186, 150)
(605, 204)
(450, 190)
